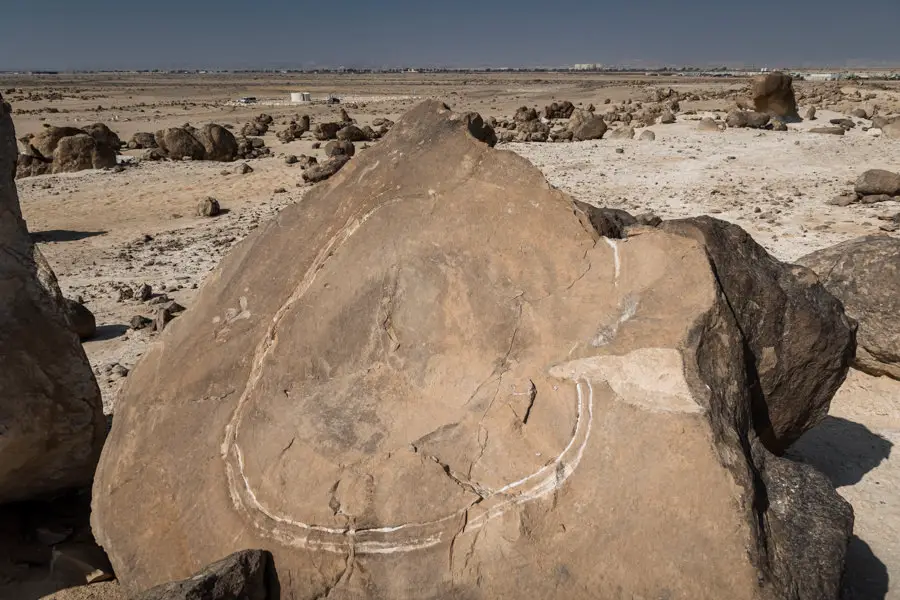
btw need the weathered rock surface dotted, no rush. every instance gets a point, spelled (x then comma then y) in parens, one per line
(80, 152)
(864, 274)
(142, 140)
(586, 125)
(219, 143)
(797, 334)
(429, 380)
(878, 181)
(244, 575)
(622, 133)
(50, 408)
(559, 110)
(327, 131)
(103, 135)
(322, 171)
(177, 142)
(773, 93)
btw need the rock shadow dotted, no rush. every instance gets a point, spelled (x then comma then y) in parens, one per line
(865, 576)
(842, 450)
(107, 332)
(62, 235)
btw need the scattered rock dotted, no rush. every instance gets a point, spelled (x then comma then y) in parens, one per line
(321, 172)
(326, 131)
(811, 113)
(878, 181)
(863, 274)
(622, 133)
(142, 141)
(208, 207)
(667, 117)
(243, 169)
(707, 124)
(559, 110)
(843, 200)
(176, 143)
(340, 148)
(860, 113)
(140, 322)
(647, 136)
(845, 123)
(163, 317)
(585, 125)
(828, 130)
(80, 152)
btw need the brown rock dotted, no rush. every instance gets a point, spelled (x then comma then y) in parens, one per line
(218, 143)
(50, 408)
(863, 274)
(177, 143)
(47, 140)
(828, 130)
(322, 171)
(585, 125)
(340, 148)
(773, 93)
(431, 364)
(326, 131)
(81, 319)
(878, 181)
(209, 207)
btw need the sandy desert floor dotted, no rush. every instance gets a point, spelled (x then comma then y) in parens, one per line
(102, 230)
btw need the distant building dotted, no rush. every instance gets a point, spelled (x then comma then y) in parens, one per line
(587, 67)
(821, 76)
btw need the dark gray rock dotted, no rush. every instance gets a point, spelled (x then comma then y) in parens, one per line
(244, 575)
(798, 337)
(606, 222)
(327, 131)
(81, 319)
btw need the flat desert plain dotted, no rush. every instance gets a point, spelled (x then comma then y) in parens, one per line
(103, 231)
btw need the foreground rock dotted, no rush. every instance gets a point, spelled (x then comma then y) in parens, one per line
(864, 274)
(50, 408)
(244, 575)
(773, 93)
(432, 364)
(322, 171)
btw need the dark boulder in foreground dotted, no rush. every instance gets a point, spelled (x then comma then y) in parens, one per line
(432, 379)
(864, 274)
(244, 575)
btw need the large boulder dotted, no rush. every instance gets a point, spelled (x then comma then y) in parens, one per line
(864, 274)
(773, 93)
(432, 379)
(178, 142)
(50, 408)
(878, 181)
(351, 133)
(46, 141)
(322, 171)
(798, 337)
(586, 125)
(80, 152)
(104, 136)
(219, 143)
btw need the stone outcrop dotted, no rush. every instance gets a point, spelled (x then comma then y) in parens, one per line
(433, 378)
(773, 93)
(68, 149)
(586, 125)
(210, 142)
(864, 274)
(50, 408)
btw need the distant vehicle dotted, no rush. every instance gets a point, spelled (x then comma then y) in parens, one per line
(332, 99)
(247, 100)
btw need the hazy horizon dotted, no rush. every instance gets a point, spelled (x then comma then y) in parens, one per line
(232, 35)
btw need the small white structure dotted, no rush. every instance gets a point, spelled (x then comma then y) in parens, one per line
(298, 97)
(821, 77)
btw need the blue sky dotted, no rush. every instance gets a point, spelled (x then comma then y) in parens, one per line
(105, 34)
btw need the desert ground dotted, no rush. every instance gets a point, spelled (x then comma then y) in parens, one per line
(103, 231)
